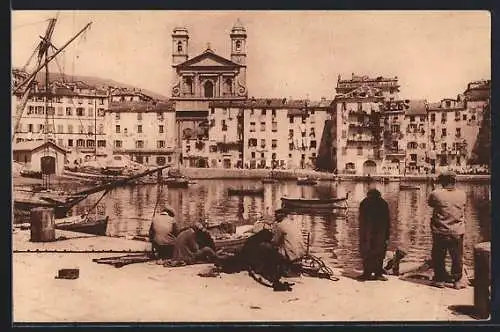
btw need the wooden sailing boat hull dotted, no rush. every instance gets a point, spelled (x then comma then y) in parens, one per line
(26, 201)
(94, 227)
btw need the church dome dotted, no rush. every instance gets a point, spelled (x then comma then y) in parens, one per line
(238, 27)
(180, 31)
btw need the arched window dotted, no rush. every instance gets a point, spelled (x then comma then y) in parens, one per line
(209, 89)
(179, 46)
(238, 45)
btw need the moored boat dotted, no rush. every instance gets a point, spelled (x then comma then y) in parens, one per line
(314, 203)
(87, 225)
(176, 182)
(61, 202)
(269, 180)
(305, 180)
(246, 192)
(408, 187)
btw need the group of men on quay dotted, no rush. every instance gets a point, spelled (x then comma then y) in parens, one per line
(275, 250)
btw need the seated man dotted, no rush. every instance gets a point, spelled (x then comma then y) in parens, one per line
(269, 252)
(162, 233)
(288, 237)
(193, 245)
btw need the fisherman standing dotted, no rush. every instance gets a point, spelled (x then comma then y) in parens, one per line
(374, 228)
(448, 228)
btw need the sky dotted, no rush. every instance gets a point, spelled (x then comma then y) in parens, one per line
(297, 54)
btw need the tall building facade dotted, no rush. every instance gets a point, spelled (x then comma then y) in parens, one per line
(199, 80)
(142, 130)
(377, 133)
(73, 114)
(358, 107)
(267, 132)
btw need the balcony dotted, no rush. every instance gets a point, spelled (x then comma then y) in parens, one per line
(359, 125)
(395, 152)
(360, 139)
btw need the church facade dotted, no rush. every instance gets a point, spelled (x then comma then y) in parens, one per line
(199, 80)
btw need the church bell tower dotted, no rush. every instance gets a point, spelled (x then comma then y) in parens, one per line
(238, 43)
(180, 37)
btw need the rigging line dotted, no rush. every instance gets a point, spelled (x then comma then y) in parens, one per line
(35, 51)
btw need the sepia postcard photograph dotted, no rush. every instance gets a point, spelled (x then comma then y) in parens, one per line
(250, 166)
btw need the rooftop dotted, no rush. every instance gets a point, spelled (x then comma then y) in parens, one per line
(33, 145)
(417, 107)
(366, 78)
(141, 106)
(282, 103)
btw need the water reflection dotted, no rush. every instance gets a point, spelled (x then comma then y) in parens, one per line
(334, 238)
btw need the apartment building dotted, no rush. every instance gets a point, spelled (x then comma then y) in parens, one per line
(358, 105)
(145, 131)
(225, 134)
(453, 131)
(266, 132)
(73, 113)
(394, 137)
(416, 138)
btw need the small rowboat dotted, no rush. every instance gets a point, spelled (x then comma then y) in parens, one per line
(223, 241)
(176, 182)
(231, 242)
(246, 192)
(86, 225)
(408, 187)
(306, 181)
(314, 204)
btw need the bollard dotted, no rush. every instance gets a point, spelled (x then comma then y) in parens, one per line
(42, 225)
(482, 279)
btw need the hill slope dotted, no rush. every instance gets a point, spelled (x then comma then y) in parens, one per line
(95, 81)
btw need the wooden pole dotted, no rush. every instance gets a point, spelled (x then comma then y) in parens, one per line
(42, 225)
(482, 279)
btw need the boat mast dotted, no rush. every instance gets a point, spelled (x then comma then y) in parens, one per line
(29, 80)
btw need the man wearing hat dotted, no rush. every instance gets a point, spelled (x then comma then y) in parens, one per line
(448, 228)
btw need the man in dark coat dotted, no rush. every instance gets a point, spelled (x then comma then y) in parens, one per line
(374, 226)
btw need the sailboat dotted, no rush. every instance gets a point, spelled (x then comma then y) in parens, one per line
(45, 196)
(27, 199)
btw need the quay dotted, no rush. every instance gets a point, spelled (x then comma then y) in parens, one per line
(148, 292)
(257, 174)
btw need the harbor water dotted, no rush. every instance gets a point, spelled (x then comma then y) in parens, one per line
(333, 238)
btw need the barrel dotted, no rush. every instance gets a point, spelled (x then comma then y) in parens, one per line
(482, 279)
(42, 225)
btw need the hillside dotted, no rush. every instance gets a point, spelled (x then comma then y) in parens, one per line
(96, 81)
